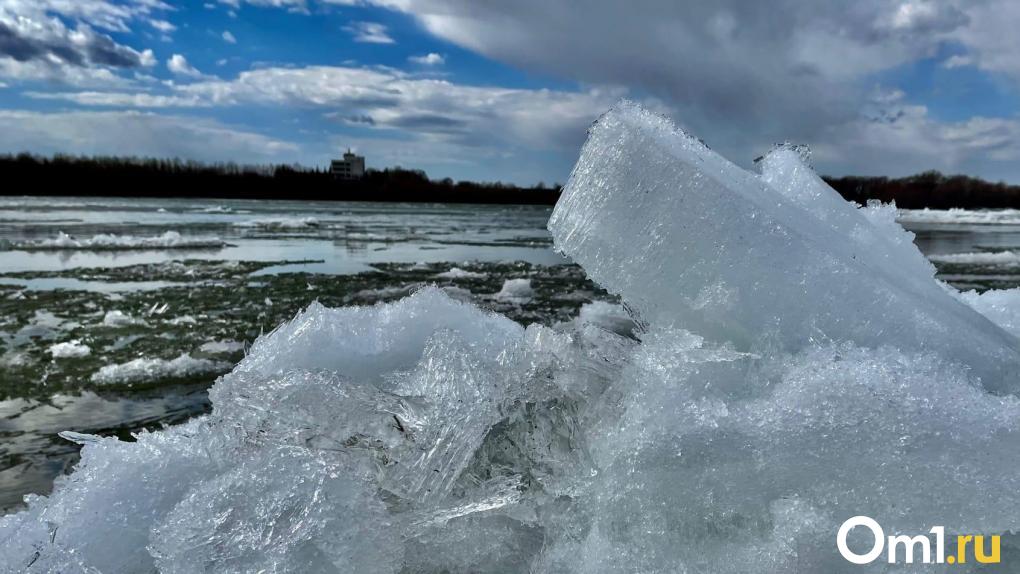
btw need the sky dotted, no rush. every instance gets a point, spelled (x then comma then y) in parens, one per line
(504, 90)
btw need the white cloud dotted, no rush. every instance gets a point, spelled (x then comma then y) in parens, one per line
(436, 109)
(299, 6)
(137, 133)
(121, 99)
(79, 77)
(147, 59)
(369, 32)
(163, 26)
(228, 37)
(430, 59)
(483, 124)
(991, 37)
(896, 139)
(957, 61)
(180, 66)
(105, 14)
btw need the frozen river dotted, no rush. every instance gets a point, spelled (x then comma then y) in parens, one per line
(166, 294)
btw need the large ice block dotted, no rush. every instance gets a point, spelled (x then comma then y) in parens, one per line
(687, 238)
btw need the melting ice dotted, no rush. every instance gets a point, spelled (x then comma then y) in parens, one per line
(783, 360)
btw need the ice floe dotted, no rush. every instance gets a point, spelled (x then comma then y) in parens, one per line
(147, 370)
(70, 349)
(109, 242)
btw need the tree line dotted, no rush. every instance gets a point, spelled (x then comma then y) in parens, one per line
(65, 175)
(26, 174)
(930, 189)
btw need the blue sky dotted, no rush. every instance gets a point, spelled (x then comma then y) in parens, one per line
(487, 90)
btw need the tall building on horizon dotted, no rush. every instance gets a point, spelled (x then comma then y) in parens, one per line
(352, 166)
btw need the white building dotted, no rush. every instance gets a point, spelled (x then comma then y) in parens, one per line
(350, 167)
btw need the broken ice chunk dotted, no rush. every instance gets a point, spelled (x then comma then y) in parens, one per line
(516, 291)
(686, 238)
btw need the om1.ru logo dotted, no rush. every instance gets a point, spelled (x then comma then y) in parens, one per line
(911, 544)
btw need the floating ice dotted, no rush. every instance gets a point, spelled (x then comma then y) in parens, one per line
(183, 320)
(516, 290)
(1005, 259)
(108, 242)
(958, 216)
(280, 222)
(70, 349)
(118, 318)
(757, 401)
(146, 370)
(458, 273)
(221, 347)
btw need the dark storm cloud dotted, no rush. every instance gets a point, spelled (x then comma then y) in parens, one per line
(93, 49)
(733, 70)
(104, 51)
(24, 48)
(429, 122)
(17, 47)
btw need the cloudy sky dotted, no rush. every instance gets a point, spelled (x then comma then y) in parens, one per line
(497, 89)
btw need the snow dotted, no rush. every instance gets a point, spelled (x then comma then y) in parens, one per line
(147, 370)
(109, 242)
(515, 291)
(958, 216)
(792, 363)
(70, 349)
(458, 273)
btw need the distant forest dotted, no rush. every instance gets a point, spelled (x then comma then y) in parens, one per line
(26, 174)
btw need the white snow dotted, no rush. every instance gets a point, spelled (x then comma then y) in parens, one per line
(70, 349)
(458, 273)
(106, 242)
(796, 365)
(147, 370)
(515, 291)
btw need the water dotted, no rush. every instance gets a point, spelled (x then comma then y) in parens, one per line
(279, 257)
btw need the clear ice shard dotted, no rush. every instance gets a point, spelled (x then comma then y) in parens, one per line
(781, 361)
(687, 238)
